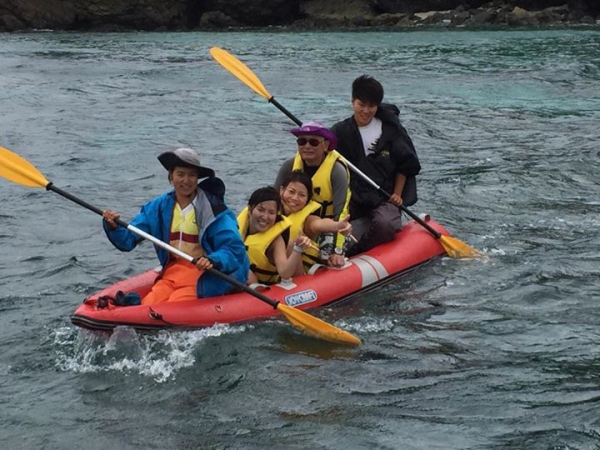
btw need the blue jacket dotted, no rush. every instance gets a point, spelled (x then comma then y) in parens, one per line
(218, 232)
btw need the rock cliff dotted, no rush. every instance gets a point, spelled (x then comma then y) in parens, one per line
(163, 15)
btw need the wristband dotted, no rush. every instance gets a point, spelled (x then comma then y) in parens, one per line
(298, 249)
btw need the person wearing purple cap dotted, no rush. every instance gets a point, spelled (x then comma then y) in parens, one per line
(330, 180)
(375, 142)
(193, 218)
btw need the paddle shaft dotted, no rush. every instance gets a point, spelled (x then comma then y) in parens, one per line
(361, 174)
(51, 187)
(281, 108)
(387, 195)
(165, 246)
(15, 168)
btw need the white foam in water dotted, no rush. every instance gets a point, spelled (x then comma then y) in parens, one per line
(495, 251)
(369, 325)
(159, 356)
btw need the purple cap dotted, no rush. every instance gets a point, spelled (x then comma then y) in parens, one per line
(316, 129)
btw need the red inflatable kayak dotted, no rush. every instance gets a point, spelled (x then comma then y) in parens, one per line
(412, 247)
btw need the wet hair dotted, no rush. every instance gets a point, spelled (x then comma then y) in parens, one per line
(297, 176)
(264, 194)
(367, 89)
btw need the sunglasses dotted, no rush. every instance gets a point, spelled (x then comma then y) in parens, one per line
(314, 142)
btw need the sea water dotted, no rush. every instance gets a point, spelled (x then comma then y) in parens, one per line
(493, 354)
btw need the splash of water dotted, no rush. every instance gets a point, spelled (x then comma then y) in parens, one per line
(159, 356)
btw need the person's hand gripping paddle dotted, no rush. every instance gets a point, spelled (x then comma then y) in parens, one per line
(20, 171)
(453, 247)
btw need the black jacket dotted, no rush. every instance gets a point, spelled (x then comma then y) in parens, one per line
(394, 153)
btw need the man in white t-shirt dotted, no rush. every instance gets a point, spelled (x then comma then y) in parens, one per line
(373, 140)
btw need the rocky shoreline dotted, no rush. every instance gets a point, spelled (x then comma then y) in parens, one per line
(198, 15)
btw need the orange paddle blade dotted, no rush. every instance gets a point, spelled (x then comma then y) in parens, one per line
(316, 327)
(458, 249)
(240, 70)
(19, 170)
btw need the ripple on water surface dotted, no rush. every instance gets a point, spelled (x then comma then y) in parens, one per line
(493, 354)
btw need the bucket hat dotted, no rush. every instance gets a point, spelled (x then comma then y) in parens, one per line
(184, 157)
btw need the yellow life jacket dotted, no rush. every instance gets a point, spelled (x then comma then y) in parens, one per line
(311, 255)
(183, 234)
(323, 191)
(321, 181)
(257, 245)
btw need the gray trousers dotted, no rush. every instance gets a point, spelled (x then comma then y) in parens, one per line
(378, 227)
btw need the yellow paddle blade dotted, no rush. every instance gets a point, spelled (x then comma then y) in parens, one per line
(316, 327)
(240, 70)
(19, 170)
(458, 249)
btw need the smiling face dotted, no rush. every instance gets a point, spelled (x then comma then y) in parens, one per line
(312, 149)
(185, 180)
(262, 216)
(363, 112)
(294, 197)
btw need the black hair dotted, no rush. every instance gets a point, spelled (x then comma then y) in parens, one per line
(297, 176)
(264, 194)
(367, 89)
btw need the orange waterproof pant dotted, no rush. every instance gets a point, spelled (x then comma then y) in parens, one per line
(177, 283)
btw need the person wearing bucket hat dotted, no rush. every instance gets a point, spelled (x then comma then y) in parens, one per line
(375, 142)
(184, 157)
(192, 217)
(330, 180)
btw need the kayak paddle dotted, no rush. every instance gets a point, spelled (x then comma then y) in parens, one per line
(243, 73)
(454, 247)
(18, 170)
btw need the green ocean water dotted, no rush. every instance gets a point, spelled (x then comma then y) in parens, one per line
(499, 354)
